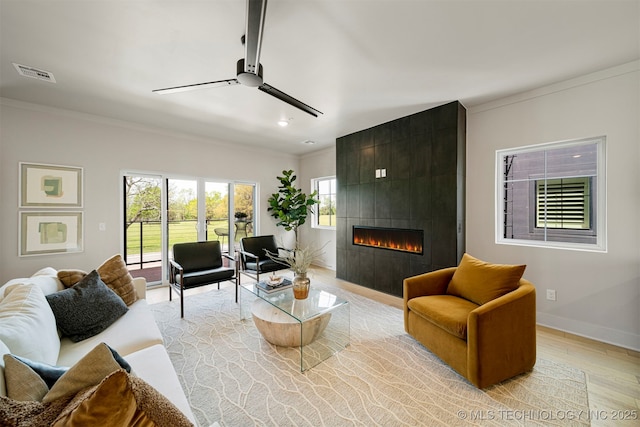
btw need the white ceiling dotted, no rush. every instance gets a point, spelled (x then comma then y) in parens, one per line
(360, 62)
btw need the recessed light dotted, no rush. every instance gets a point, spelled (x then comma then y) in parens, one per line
(283, 123)
(308, 142)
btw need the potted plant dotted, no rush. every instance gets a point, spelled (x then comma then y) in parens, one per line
(290, 206)
(240, 216)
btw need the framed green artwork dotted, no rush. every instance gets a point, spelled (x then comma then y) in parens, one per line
(50, 186)
(44, 233)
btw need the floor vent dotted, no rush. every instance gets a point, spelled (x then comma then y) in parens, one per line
(34, 73)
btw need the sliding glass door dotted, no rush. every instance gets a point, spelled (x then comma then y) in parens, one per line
(160, 211)
(143, 225)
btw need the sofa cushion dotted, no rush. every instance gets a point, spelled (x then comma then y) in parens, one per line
(147, 362)
(446, 311)
(86, 309)
(136, 330)
(89, 371)
(115, 274)
(70, 277)
(27, 324)
(206, 276)
(481, 282)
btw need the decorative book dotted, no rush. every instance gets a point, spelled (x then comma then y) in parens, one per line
(268, 288)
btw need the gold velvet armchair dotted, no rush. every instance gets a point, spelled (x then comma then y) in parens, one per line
(479, 318)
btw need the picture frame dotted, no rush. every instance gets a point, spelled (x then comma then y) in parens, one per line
(50, 186)
(50, 232)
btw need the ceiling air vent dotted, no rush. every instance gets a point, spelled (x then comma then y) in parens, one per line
(34, 73)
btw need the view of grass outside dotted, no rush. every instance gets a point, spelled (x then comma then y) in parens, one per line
(179, 232)
(327, 220)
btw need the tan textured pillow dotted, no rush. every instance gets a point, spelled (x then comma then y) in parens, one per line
(22, 382)
(89, 371)
(114, 274)
(121, 400)
(481, 282)
(30, 413)
(70, 277)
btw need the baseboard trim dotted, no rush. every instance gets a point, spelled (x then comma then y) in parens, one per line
(588, 330)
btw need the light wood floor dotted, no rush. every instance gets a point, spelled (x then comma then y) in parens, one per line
(613, 373)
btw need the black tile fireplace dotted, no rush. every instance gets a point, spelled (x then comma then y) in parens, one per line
(408, 175)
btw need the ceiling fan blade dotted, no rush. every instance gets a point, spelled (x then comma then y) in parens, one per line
(288, 99)
(217, 83)
(256, 10)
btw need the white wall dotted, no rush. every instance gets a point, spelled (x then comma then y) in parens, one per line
(104, 148)
(598, 294)
(316, 165)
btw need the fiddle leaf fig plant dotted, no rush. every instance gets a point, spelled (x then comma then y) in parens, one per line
(290, 206)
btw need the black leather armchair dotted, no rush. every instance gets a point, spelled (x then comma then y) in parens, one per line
(197, 264)
(253, 256)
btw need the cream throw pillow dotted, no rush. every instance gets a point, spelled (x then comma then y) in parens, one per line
(27, 324)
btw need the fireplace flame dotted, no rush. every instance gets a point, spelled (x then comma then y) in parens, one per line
(387, 238)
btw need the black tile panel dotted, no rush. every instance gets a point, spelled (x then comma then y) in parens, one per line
(383, 159)
(383, 199)
(421, 154)
(367, 200)
(401, 154)
(401, 199)
(444, 152)
(353, 201)
(367, 162)
(366, 138)
(382, 134)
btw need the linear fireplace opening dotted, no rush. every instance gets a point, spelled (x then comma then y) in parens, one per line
(396, 239)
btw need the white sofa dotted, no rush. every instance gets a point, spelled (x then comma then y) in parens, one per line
(135, 336)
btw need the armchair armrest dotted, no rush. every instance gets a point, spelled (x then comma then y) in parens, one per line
(229, 257)
(501, 333)
(432, 283)
(174, 268)
(248, 254)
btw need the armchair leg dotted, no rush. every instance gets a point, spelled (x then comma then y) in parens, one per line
(181, 301)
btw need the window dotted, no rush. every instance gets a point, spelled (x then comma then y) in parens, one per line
(552, 195)
(324, 215)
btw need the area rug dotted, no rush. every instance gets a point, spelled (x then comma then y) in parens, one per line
(383, 378)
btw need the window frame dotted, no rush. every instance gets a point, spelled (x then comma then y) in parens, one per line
(315, 185)
(597, 206)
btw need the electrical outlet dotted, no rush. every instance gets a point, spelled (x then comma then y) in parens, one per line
(551, 294)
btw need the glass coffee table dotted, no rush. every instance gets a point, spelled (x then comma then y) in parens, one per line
(318, 325)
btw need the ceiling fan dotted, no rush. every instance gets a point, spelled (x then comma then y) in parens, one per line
(249, 69)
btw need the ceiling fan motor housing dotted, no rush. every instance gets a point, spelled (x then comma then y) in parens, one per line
(248, 78)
